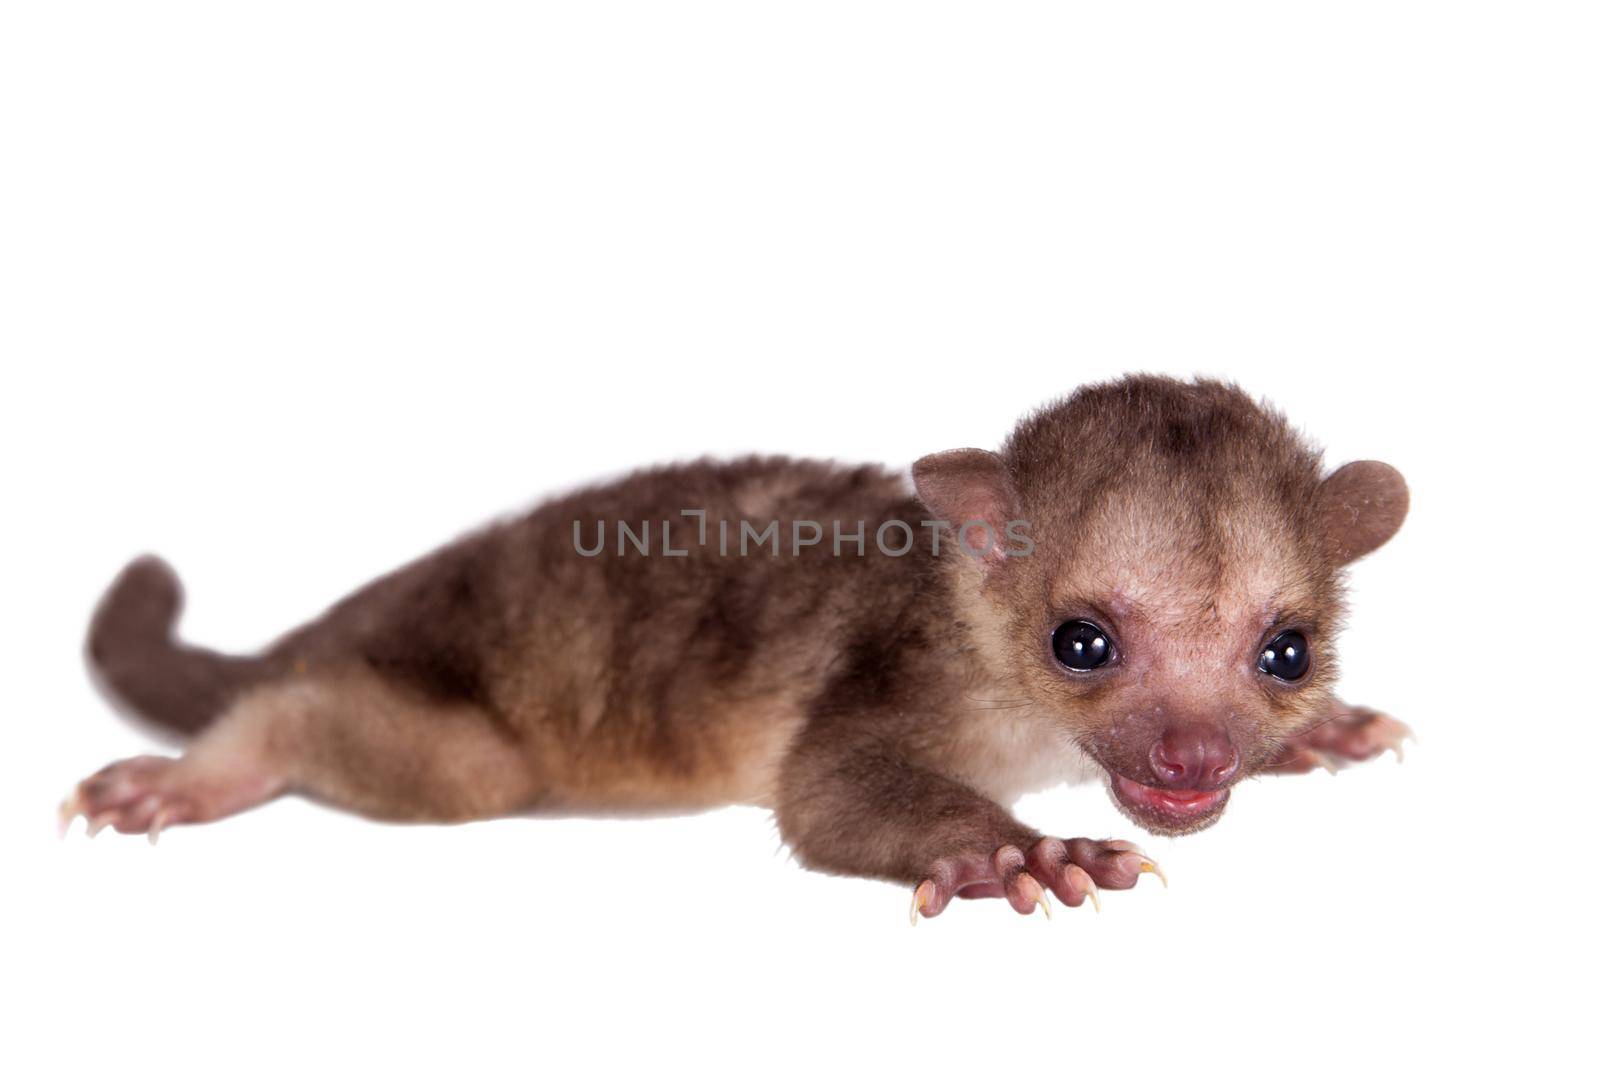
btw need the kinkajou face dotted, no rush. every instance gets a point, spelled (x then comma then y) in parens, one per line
(1178, 616)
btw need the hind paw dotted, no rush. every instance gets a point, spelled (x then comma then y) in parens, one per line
(133, 796)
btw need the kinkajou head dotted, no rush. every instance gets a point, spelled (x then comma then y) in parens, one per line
(1177, 616)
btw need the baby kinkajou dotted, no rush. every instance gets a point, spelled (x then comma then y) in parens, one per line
(1143, 585)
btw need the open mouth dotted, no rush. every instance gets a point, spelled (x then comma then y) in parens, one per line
(1169, 811)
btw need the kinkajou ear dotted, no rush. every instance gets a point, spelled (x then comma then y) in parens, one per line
(1359, 507)
(970, 489)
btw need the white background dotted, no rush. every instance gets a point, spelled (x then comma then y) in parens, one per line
(292, 294)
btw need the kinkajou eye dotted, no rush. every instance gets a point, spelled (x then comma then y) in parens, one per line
(1081, 646)
(1286, 656)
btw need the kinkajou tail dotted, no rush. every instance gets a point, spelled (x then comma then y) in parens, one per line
(134, 651)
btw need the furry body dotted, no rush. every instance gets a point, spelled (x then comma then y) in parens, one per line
(889, 707)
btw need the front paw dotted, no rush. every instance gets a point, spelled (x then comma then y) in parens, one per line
(1359, 734)
(1074, 870)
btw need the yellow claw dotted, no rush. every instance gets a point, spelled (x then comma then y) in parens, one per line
(67, 813)
(1399, 733)
(1150, 866)
(1036, 892)
(98, 823)
(1079, 879)
(919, 898)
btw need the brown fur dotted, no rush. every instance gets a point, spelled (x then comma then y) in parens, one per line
(888, 708)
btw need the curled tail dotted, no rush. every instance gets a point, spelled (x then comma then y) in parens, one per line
(134, 651)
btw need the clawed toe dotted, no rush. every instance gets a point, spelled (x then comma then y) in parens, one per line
(1393, 734)
(1375, 733)
(1150, 866)
(1079, 887)
(67, 813)
(921, 897)
(1031, 891)
(1112, 864)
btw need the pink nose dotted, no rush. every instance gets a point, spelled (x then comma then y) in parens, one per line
(1194, 757)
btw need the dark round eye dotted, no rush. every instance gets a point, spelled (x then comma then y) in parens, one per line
(1081, 646)
(1286, 656)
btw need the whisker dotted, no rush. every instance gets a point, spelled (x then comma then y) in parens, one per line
(1313, 726)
